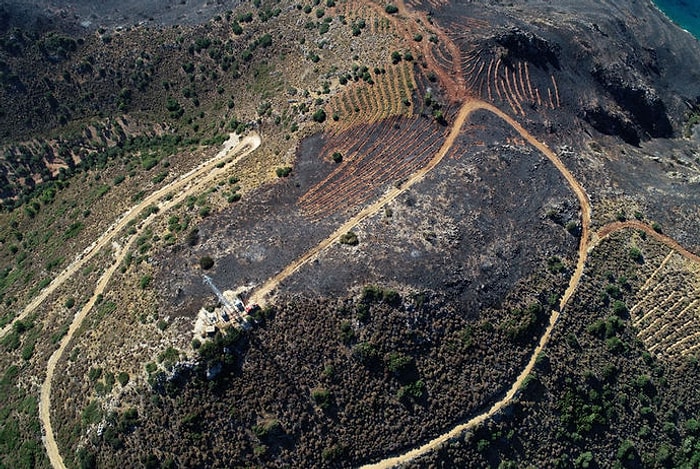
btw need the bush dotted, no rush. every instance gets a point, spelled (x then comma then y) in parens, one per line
(391, 9)
(206, 262)
(347, 334)
(319, 116)
(268, 428)
(350, 239)
(364, 352)
(322, 397)
(397, 362)
(411, 391)
(145, 281)
(636, 254)
(619, 308)
(615, 345)
(123, 378)
(283, 172)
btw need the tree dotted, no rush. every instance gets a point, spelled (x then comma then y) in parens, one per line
(337, 157)
(349, 238)
(636, 255)
(439, 117)
(322, 398)
(206, 262)
(619, 308)
(397, 362)
(283, 172)
(391, 9)
(319, 116)
(395, 57)
(145, 281)
(123, 378)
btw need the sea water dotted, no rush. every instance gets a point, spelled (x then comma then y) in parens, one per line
(685, 13)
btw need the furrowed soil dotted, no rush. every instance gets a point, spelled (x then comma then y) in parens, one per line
(468, 251)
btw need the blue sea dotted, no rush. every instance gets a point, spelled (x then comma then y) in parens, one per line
(685, 13)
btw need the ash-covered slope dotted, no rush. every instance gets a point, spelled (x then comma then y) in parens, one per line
(90, 15)
(621, 66)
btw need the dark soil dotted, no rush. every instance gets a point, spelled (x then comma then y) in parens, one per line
(595, 395)
(466, 250)
(86, 14)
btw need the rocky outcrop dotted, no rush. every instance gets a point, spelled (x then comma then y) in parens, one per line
(527, 46)
(644, 112)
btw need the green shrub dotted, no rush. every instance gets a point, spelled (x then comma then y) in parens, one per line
(350, 239)
(322, 397)
(94, 374)
(160, 177)
(397, 362)
(206, 262)
(411, 391)
(123, 378)
(145, 281)
(636, 254)
(347, 334)
(619, 308)
(614, 345)
(283, 172)
(267, 428)
(364, 352)
(319, 116)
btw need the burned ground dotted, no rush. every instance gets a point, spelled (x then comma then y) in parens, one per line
(464, 266)
(428, 312)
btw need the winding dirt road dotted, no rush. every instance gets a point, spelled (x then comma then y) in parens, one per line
(195, 180)
(587, 243)
(106, 238)
(471, 105)
(260, 296)
(554, 315)
(611, 228)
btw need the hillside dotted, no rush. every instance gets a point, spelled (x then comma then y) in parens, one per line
(465, 233)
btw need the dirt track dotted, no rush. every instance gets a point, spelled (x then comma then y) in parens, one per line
(106, 238)
(587, 244)
(260, 295)
(611, 228)
(554, 316)
(189, 183)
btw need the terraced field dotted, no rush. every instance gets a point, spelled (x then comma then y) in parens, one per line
(667, 311)
(375, 155)
(362, 103)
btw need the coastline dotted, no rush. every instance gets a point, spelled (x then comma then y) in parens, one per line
(674, 16)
